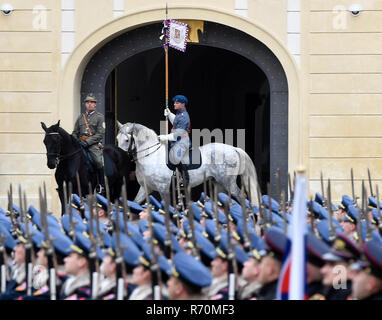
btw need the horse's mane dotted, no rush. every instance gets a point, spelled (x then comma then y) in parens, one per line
(67, 135)
(144, 131)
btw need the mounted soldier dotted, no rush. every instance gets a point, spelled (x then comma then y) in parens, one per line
(90, 129)
(179, 137)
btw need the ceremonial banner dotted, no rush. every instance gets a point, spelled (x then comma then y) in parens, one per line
(178, 35)
(292, 281)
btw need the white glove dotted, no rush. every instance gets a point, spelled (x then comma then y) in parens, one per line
(166, 137)
(166, 112)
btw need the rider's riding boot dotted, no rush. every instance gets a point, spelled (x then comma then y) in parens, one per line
(101, 180)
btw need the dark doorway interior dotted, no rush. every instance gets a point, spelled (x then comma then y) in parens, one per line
(225, 90)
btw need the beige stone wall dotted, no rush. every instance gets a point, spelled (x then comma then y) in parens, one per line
(335, 90)
(344, 101)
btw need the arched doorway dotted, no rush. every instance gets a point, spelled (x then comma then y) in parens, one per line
(260, 90)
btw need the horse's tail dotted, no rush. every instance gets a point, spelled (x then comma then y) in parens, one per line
(248, 170)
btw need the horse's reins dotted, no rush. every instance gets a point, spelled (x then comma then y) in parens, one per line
(133, 152)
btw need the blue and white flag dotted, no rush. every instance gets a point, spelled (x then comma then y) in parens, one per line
(292, 281)
(178, 35)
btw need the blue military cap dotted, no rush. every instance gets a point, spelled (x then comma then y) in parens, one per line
(324, 230)
(223, 198)
(79, 225)
(82, 245)
(343, 249)
(274, 203)
(207, 249)
(222, 251)
(197, 225)
(101, 201)
(373, 203)
(240, 229)
(275, 243)
(275, 220)
(6, 222)
(144, 225)
(105, 236)
(9, 242)
(180, 98)
(145, 260)
(375, 217)
(61, 242)
(155, 202)
(198, 213)
(36, 236)
(373, 253)
(208, 210)
(376, 236)
(160, 235)
(211, 229)
(36, 218)
(351, 215)
(318, 210)
(202, 199)
(235, 213)
(129, 249)
(134, 207)
(186, 267)
(170, 208)
(316, 249)
(346, 201)
(319, 199)
(258, 249)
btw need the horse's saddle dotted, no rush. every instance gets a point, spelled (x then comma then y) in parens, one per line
(193, 153)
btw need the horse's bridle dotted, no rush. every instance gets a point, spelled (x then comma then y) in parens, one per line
(58, 154)
(132, 152)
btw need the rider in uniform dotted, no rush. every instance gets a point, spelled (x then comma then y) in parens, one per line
(90, 129)
(179, 136)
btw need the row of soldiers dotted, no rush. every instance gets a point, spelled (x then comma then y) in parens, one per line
(215, 248)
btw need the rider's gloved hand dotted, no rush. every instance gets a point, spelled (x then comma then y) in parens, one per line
(167, 112)
(84, 144)
(166, 137)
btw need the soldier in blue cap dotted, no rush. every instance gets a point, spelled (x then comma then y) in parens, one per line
(336, 272)
(187, 278)
(349, 222)
(179, 136)
(367, 283)
(275, 244)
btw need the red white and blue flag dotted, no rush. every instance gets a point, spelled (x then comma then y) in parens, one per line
(292, 281)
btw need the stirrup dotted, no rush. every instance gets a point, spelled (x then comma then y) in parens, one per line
(99, 189)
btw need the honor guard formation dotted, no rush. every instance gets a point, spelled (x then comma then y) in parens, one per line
(216, 248)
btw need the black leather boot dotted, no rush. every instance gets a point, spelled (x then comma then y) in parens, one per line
(101, 181)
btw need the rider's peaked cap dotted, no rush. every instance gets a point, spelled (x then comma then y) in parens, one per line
(90, 97)
(181, 99)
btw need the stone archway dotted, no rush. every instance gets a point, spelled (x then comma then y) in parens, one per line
(215, 35)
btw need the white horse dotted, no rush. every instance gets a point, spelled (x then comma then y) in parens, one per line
(220, 161)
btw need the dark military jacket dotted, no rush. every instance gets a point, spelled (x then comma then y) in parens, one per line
(96, 122)
(375, 296)
(316, 291)
(339, 294)
(268, 291)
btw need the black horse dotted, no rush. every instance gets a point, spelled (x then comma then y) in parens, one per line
(65, 154)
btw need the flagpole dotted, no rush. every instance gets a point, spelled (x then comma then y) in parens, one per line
(166, 66)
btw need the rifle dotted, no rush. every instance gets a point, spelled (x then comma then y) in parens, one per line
(311, 214)
(12, 213)
(379, 211)
(269, 203)
(206, 197)
(3, 266)
(324, 204)
(125, 208)
(368, 228)
(176, 212)
(247, 243)
(110, 223)
(352, 188)
(50, 252)
(191, 224)
(278, 187)
(370, 185)
(262, 213)
(93, 262)
(72, 231)
(215, 212)
(82, 206)
(168, 240)
(231, 255)
(154, 267)
(283, 211)
(290, 189)
(28, 246)
(250, 209)
(332, 233)
(180, 200)
(359, 216)
(118, 256)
